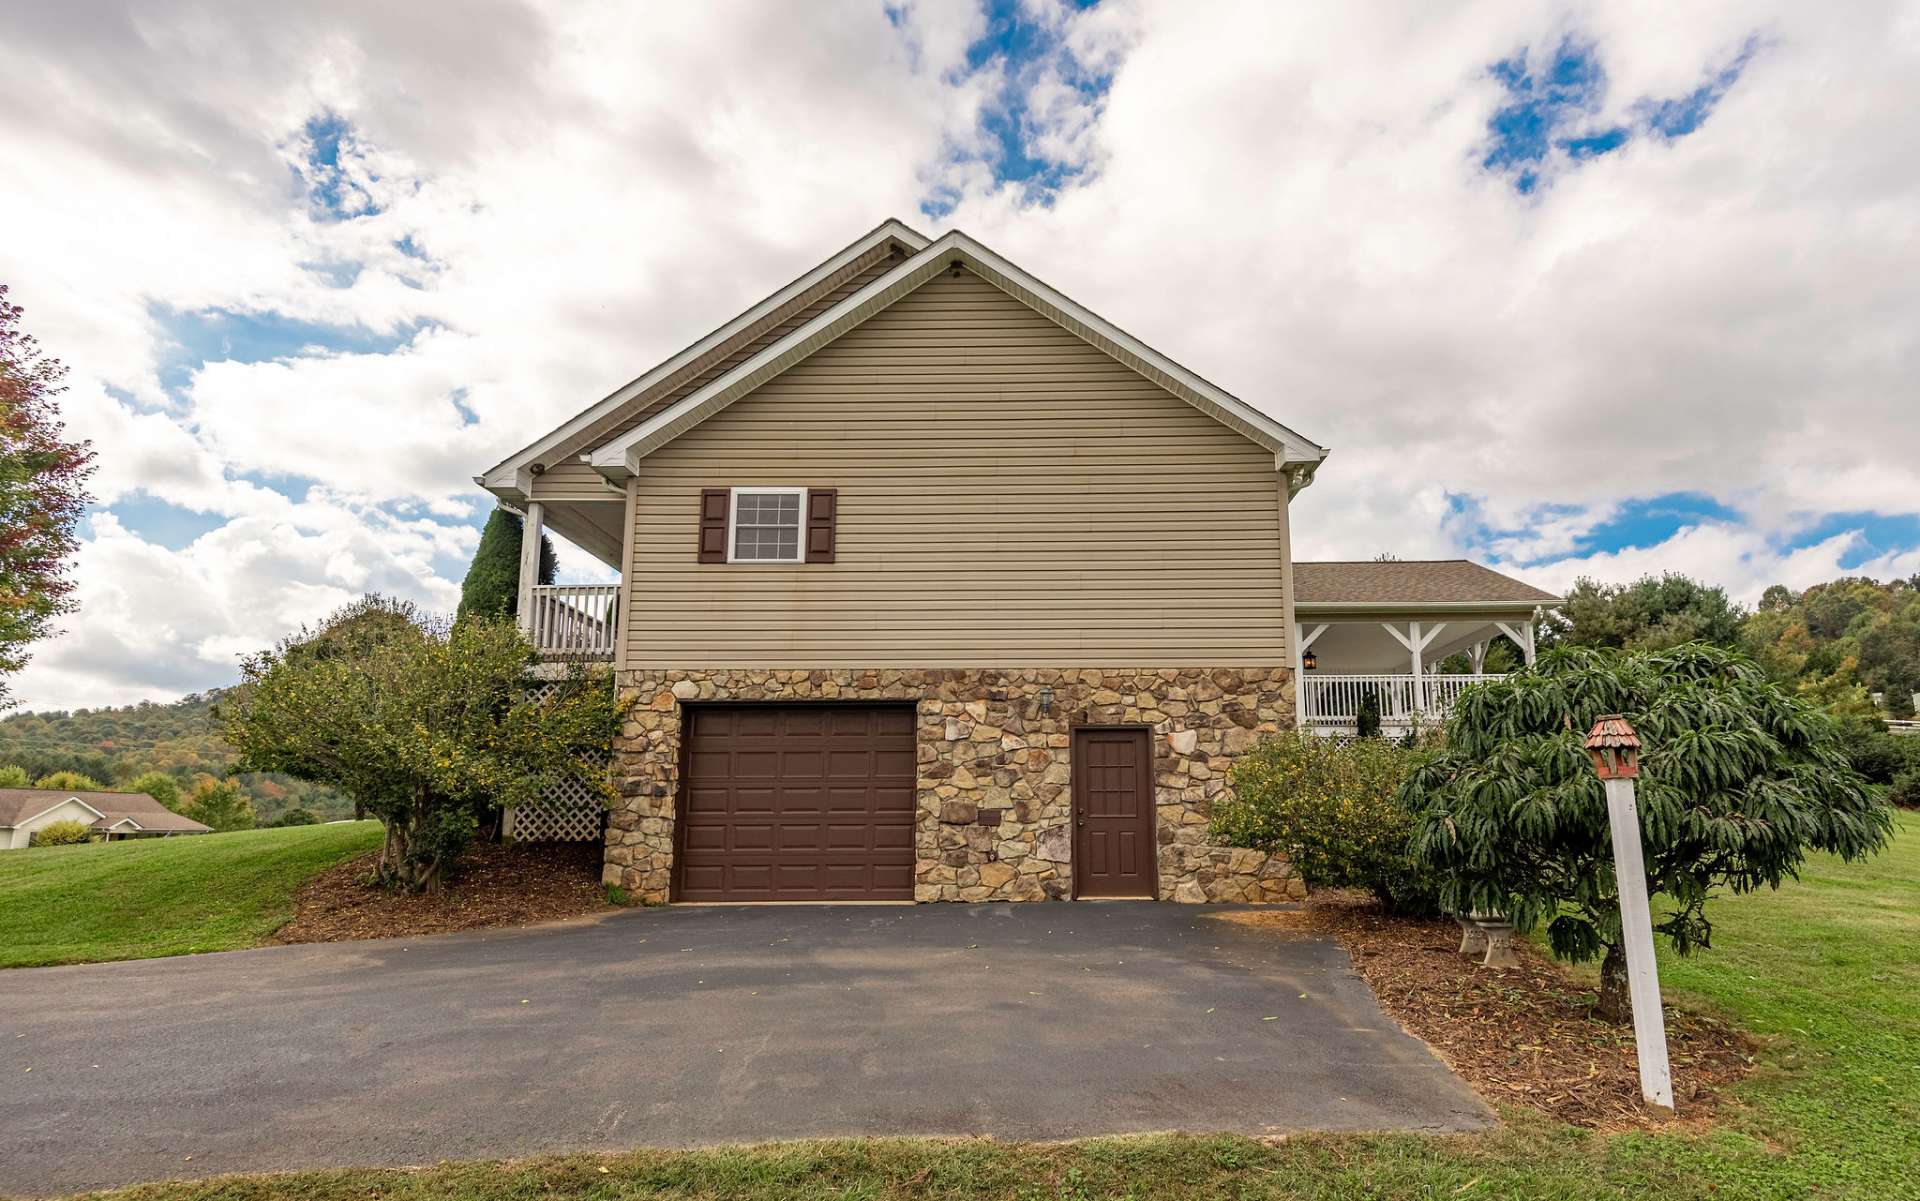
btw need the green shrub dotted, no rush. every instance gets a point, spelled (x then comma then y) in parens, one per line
(1905, 789)
(1332, 808)
(1877, 755)
(13, 775)
(158, 785)
(296, 816)
(62, 834)
(1366, 722)
(70, 781)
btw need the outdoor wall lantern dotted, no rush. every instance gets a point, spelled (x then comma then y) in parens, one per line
(1045, 699)
(1309, 661)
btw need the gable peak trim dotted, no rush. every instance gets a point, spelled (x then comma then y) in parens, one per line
(1294, 454)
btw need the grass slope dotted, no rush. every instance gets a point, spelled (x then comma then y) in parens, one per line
(164, 896)
(1830, 966)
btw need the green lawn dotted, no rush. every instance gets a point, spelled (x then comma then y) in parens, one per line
(162, 896)
(1829, 968)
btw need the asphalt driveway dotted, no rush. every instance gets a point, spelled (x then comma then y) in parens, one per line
(689, 1026)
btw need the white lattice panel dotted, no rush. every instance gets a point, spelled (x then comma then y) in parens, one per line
(571, 811)
(555, 823)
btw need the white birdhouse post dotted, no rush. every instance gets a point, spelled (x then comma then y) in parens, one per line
(1616, 757)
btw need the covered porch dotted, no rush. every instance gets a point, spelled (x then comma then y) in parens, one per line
(1400, 634)
(571, 621)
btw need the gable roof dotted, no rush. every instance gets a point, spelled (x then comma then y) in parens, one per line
(713, 354)
(621, 456)
(1416, 583)
(19, 805)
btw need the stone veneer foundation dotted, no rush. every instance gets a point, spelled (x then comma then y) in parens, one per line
(994, 820)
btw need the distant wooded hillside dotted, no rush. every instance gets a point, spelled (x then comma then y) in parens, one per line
(180, 739)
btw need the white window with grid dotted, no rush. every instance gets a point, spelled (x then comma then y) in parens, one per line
(767, 525)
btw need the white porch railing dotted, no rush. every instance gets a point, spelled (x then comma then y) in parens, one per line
(572, 621)
(1333, 701)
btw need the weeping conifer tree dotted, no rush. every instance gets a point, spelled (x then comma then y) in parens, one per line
(492, 586)
(1739, 782)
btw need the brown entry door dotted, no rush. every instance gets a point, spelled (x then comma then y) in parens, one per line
(797, 803)
(1113, 845)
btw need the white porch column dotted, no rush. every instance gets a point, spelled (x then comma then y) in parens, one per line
(1477, 655)
(1416, 640)
(531, 528)
(1521, 636)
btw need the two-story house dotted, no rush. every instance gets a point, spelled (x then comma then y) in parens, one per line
(935, 585)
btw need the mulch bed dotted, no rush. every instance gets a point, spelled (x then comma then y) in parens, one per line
(1521, 1036)
(494, 885)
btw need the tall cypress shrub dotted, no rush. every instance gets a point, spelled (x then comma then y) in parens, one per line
(492, 586)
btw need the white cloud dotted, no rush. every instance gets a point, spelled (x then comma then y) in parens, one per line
(1739, 559)
(155, 622)
(1287, 198)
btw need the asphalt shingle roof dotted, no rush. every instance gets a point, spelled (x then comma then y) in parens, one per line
(18, 804)
(1418, 581)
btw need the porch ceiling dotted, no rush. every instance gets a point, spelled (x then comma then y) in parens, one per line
(1362, 646)
(593, 526)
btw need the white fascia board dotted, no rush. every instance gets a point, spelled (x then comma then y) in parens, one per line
(50, 808)
(622, 455)
(126, 821)
(510, 476)
(1418, 608)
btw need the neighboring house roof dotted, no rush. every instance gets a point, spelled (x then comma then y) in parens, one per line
(21, 805)
(1420, 583)
(737, 363)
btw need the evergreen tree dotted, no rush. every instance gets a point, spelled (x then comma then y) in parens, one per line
(1652, 613)
(492, 586)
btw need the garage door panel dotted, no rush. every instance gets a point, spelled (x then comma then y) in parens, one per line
(805, 722)
(746, 723)
(851, 764)
(704, 877)
(794, 802)
(749, 765)
(703, 836)
(893, 838)
(798, 836)
(846, 836)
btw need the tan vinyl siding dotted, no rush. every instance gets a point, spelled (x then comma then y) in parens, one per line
(574, 482)
(1008, 496)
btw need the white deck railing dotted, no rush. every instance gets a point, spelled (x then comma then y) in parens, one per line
(1333, 701)
(572, 621)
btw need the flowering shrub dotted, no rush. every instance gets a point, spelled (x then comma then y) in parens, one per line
(424, 724)
(1331, 808)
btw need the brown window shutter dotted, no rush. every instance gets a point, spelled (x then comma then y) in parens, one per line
(713, 525)
(823, 504)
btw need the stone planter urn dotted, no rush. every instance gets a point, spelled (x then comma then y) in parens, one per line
(1490, 934)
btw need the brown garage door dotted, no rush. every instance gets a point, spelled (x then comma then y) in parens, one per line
(797, 803)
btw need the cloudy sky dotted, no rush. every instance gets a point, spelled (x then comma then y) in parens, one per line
(1599, 289)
